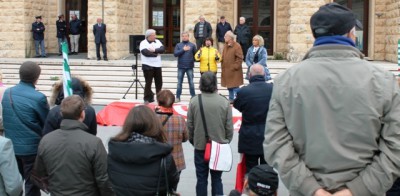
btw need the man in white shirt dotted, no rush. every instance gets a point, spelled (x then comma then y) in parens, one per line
(150, 50)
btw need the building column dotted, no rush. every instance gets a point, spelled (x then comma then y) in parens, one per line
(300, 38)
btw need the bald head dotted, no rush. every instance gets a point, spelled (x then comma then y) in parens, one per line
(99, 20)
(257, 70)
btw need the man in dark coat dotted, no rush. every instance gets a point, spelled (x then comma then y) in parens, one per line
(202, 30)
(75, 30)
(222, 28)
(99, 32)
(61, 32)
(243, 34)
(74, 161)
(38, 36)
(253, 102)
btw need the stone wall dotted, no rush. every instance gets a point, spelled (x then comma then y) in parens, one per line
(193, 9)
(118, 16)
(12, 33)
(282, 23)
(392, 29)
(300, 38)
(380, 30)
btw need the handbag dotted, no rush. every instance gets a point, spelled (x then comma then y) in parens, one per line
(240, 173)
(218, 156)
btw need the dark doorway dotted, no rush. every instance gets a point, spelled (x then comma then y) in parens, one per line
(165, 18)
(80, 8)
(361, 9)
(259, 16)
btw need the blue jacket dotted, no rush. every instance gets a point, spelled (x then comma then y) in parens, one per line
(262, 60)
(185, 58)
(75, 27)
(38, 31)
(24, 129)
(253, 102)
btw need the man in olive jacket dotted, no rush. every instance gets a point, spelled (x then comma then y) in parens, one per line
(334, 119)
(74, 161)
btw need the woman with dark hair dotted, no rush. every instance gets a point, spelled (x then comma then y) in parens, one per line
(139, 159)
(174, 126)
(208, 56)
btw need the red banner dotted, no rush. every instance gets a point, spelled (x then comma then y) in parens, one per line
(114, 114)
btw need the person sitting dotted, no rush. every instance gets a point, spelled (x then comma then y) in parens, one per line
(262, 181)
(139, 159)
(79, 87)
(175, 127)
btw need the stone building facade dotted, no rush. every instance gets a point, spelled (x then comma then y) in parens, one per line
(289, 31)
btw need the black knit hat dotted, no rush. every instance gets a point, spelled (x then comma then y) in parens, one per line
(333, 19)
(29, 72)
(263, 180)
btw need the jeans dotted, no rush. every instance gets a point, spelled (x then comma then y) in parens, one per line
(253, 160)
(156, 73)
(202, 176)
(104, 47)
(61, 40)
(181, 74)
(41, 43)
(75, 43)
(25, 166)
(232, 93)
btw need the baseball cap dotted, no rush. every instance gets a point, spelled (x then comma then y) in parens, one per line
(37, 17)
(333, 19)
(263, 180)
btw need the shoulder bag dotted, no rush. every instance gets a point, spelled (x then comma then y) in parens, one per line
(218, 156)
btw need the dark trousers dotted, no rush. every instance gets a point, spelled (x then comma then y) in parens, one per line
(253, 160)
(245, 47)
(25, 166)
(395, 190)
(202, 171)
(156, 73)
(104, 47)
(199, 42)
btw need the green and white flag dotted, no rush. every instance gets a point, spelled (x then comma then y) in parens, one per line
(66, 71)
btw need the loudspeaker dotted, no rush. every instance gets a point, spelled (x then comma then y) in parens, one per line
(134, 43)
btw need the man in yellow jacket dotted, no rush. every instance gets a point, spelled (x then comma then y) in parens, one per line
(208, 57)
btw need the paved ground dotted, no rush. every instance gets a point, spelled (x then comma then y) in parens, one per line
(187, 182)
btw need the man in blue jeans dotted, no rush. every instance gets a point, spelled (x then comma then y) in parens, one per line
(185, 52)
(38, 29)
(218, 119)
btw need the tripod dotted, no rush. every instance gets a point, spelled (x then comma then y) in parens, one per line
(136, 80)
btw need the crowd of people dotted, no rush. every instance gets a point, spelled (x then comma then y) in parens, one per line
(327, 126)
(73, 32)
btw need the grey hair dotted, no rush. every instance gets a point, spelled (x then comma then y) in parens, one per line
(231, 34)
(208, 82)
(257, 70)
(260, 39)
(149, 32)
(202, 16)
(242, 18)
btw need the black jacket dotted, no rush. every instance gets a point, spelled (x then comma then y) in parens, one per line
(38, 30)
(253, 101)
(61, 28)
(133, 167)
(74, 161)
(75, 27)
(207, 31)
(221, 30)
(243, 34)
